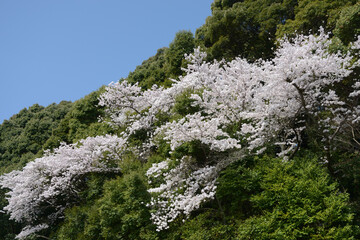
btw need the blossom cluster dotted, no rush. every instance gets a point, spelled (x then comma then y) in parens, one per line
(52, 181)
(183, 191)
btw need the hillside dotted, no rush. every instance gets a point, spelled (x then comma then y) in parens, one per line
(233, 132)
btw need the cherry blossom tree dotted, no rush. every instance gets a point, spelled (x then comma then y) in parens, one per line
(41, 191)
(236, 109)
(273, 102)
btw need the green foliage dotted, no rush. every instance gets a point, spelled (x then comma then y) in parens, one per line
(119, 213)
(223, 4)
(166, 63)
(348, 25)
(151, 71)
(236, 185)
(195, 149)
(81, 221)
(347, 169)
(184, 104)
(74, 223)
(22, 136)
(8, 227)
(298, 200)
(206, 226)
(243, 28)
(174, 56)
(123, 213)
(310, 15)
(250, 28)
(268, 198)
(80, 122)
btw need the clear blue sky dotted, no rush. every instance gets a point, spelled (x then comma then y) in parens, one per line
(62, 50)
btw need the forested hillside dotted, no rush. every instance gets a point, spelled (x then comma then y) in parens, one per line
(24, 134)
(247, 129)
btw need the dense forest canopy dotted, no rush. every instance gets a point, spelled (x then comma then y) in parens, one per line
(22, 136)
(232, 133)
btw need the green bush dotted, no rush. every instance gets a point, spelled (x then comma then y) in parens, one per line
(298, 200)
(120, 212)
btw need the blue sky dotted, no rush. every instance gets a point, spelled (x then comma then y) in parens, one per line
(62, 50)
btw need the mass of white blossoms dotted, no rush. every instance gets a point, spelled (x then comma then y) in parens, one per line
(267, 102)
(271, 101)
(51, 182)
